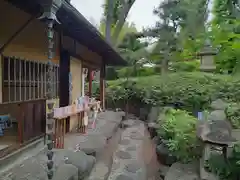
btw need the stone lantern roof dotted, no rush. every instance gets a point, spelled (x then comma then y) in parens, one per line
(208, 50)
(207, 57)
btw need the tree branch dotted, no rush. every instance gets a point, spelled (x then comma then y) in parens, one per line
(123, 15)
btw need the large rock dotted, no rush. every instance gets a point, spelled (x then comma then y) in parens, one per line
(216, 132)
(152, 128)
(66, 172)
(92, 144)
(80, 160)
(154, 113)
(100, 171)
(217, 115)
(219, 105)
(143, 114)
(180, 171)
(164, 155)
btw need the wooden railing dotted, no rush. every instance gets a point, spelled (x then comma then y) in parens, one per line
(60, 122)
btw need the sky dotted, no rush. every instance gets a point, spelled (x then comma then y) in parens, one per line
(141, 13)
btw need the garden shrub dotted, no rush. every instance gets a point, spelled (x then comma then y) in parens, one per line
(189, 91)
(186, 66)
(233, 114)
(129, 72)
(178, 129)
(111, 73)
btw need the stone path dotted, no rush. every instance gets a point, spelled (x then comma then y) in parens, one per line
(125, 153)
(128, 163)
(34, 168)
(130, 154)
(95, 139)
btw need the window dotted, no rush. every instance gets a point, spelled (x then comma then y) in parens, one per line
(25, 80)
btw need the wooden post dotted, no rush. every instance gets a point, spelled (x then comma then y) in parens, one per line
(90, 76)
(102, 86)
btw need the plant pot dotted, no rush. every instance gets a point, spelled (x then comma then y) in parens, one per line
(164, 156)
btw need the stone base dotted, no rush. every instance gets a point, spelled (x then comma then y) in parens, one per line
(204, 175)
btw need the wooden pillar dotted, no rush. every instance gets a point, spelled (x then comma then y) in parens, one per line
(90, 78)
(102, 86)
(1, 77)
(64, 82)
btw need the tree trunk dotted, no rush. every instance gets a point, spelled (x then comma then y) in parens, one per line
(109, 20)
(164, 66)
(121, 20)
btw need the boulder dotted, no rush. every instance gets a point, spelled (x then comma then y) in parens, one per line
(156, 140)
(217, 115)
(143, 115)
(163, 170)
(216, 132)
(84, 163)
(128, 123)
(66, 172)
(180, 171)
(164, 156)
(219, 105)
(152, 128)
(93, 144)
(154, 113)
(100, 171)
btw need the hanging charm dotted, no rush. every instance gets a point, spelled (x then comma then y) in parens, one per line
(49, 15)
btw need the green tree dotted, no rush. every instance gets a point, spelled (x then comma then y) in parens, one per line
(179, 31)
(133, 50)
(126, 29)
(115, 15)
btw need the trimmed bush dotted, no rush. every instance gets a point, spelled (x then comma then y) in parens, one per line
(129, 72)
(188, 91)
(185, 66)
(178, 129)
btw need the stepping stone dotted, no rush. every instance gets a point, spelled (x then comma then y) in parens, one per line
(133, 167)
(123, 155)
(128, 123)
(131, 148)
(66, 172)
(100, 172)
(92, 144)
(123, 177)
(124, 142)
(136, 136)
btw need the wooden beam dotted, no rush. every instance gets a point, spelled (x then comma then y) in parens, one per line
(90, 78)
(17, 33)
(102, 86)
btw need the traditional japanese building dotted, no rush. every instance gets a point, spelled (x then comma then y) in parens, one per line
(25, 61)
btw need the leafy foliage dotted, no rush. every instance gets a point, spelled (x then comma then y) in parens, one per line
(226, 34)
(188, 91)
(187, 66)
(178, 129)
(233, 114)
(142, 71)
(179, 31)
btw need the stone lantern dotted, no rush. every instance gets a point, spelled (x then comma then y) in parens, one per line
(207, 57)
